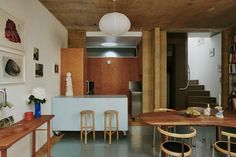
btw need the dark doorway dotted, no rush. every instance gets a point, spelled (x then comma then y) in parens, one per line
(177, 70)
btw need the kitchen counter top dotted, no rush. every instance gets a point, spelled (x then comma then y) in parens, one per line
(94, 96)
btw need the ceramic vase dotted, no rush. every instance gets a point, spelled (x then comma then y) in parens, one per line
(37, 109)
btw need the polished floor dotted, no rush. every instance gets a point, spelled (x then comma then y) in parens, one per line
(137, 143)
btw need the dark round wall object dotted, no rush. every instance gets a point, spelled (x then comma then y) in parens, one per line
(12, 68)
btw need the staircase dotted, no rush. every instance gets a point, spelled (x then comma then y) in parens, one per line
(197, 96)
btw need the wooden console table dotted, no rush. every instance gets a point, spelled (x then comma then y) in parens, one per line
(9, 136)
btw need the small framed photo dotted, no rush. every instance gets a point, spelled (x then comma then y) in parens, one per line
(12, 32)
(36, 54)
(12, 68)
(212, 52)
(38, 70)
(56, 68)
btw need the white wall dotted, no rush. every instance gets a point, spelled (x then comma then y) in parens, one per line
(204, 67)
(45, 32)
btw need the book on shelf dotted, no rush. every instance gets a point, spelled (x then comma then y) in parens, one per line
(232, 68)
(232, 57)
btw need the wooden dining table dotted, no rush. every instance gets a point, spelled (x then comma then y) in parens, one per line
(180, 118)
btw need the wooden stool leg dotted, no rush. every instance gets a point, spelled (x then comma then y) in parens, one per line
(86, 118)
(81, 129)
(110, 126)
(117, 127)
(105, 127)
(93, 127)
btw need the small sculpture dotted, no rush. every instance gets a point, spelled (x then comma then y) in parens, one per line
(219, 114)
(69, 87)
(207, 111)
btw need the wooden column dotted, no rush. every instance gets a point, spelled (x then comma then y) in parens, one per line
(154, 69)
(147, 73)
(225, 69)
(163, 70)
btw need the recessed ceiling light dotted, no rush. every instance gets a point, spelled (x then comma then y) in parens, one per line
(109, 44)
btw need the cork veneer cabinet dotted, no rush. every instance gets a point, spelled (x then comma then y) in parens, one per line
(74, 60)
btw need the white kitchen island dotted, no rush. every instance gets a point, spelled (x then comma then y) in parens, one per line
(67, 111)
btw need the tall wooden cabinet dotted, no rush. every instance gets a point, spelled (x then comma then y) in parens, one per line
(74, 60)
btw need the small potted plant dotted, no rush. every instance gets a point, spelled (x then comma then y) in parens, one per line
(38, 97)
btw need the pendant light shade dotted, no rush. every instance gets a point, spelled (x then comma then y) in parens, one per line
(114, 24)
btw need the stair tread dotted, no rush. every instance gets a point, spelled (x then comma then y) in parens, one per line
(194, 90)
(201, 96)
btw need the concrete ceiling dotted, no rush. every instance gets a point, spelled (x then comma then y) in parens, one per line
(170, 15)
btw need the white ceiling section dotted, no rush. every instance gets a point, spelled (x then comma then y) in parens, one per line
(129, 39)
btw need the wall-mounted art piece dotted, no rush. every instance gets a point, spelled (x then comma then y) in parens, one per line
(12, 68)
(38, 70)
(12, 31)
(56, 68)
(36, 54)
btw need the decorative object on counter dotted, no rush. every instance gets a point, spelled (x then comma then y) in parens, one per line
(28, 116)
(207, 111)
(219, 114)
(69, 86)
(38, 96)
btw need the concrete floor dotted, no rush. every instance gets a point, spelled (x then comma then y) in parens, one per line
(137, 143)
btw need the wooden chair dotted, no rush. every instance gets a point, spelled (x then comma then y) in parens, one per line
(226, 147)
(176, 148)
(110, 129)
(86, 117)
(155, 127)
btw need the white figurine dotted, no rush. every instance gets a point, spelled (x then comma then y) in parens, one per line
(69, 87)
(207, 111)
(219, 114)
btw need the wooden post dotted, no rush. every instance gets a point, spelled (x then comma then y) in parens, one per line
(33, 143)
(4, 153)
(48, 140)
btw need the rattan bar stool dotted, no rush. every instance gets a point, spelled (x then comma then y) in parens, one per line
(109, 128)
(87, 124)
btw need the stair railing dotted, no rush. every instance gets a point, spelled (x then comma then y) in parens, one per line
(188, 81)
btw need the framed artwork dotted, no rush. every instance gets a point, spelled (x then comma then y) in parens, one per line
(38, 70)
(12, 68)
(12, 32)
(36, 54)
(56, 68)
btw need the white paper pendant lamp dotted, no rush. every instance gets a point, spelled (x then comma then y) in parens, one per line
(114, 24)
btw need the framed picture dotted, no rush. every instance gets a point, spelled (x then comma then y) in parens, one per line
(38, 70)
(56, 68)
(36, 54)
(12, 32)
(12, 68)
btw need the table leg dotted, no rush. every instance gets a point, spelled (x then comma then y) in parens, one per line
(4, 153)
(218, 133)
(48, 140)
(33, 143)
